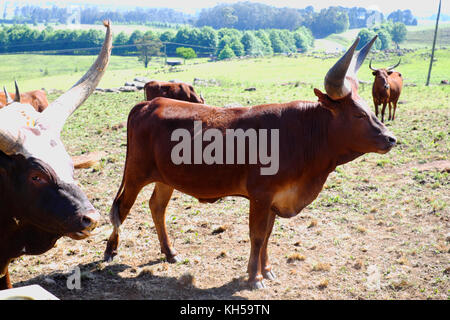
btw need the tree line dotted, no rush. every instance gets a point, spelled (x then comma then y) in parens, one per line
(204, 41)
(241, 16)
(334, 19)
(388, 33)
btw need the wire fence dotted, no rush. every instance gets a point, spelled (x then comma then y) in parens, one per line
(65, 51)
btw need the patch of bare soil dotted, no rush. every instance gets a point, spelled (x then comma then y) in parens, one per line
(369, 235)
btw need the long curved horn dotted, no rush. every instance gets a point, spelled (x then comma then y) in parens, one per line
(59, 110)
(370, 66)
(7, 96)
(335, 83)
(394, 66)
(362, 54)
(17, 97)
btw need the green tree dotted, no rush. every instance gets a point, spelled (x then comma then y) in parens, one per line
(186, 53)
(226, 40)
(385, 39)
(265, 42)
(365, 36)
(229, 32)
(167, 36)
(237, 47)
(330, 20)
(148, 46)
(253, 45)
(398, 32)
(120, 40)
(226, 53)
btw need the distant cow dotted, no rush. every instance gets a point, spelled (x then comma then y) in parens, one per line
(178, 91)
(37, 99)
(386, 89)
(313, 139)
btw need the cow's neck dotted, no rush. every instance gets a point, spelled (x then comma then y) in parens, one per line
(18, 237)
(313, 159)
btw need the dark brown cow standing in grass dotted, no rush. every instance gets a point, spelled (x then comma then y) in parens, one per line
(386, 89)
(314, 138)
(37, 98)
(178, 91)
(39, 198)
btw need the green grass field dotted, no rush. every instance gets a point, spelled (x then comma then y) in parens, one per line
(388, 213)
(60, 72)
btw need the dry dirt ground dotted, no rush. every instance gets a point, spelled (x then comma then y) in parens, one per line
(380, 229)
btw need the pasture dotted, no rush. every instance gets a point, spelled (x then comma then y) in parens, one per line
(380, 228)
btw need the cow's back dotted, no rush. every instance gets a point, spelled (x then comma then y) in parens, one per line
(37, 99)
(178, 91)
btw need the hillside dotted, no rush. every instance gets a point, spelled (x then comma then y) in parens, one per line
(417, 37)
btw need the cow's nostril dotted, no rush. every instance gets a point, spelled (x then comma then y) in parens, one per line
(392, 140)
(89, 221)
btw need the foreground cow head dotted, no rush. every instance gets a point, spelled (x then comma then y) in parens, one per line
(37, 188)
(359, 129)
(382, 75)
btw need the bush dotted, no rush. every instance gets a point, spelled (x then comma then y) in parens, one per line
(226, 53)
(186, 53)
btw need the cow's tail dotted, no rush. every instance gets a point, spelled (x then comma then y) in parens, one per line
(114, 214)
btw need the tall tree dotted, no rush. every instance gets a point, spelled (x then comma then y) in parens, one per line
(148, 46)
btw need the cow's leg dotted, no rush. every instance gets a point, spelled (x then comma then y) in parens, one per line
(395, 108)
(265, 264)
(390, 107)
(260, 217)
(5, 281)
(382, 111)
(158, 203)
(376, 107)
(121, 207)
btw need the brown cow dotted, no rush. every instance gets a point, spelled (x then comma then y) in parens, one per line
(386, 89)
(178, 91)
(313, 138)
(37, 98)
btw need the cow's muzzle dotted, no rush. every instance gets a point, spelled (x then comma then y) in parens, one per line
(388, 143)
(89, 222)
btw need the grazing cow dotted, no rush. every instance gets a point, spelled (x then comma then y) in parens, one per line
(37, 98)
(178, 91)
(313, 138)
(39, 198)
(386, 89)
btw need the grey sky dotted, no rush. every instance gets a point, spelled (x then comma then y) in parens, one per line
(419, 8)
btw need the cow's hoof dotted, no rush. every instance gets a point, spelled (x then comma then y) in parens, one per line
(269, 275)
(108, 257)
(257, 285)
(174, 259)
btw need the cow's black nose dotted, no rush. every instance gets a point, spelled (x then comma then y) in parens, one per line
(90, 220)
(392, 140)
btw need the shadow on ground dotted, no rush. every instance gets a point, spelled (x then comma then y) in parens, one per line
(99, 282)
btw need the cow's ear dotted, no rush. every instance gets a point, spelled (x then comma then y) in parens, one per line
(374, 73)
(390, 72)
(326, 102)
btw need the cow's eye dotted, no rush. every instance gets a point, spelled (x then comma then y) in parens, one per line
(360, 115)
(37, 179)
